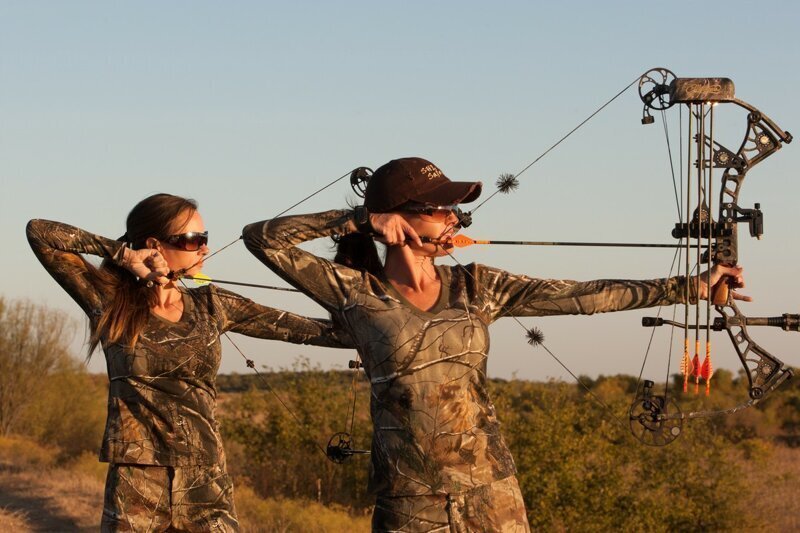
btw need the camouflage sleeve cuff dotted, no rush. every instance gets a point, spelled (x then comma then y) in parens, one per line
(677, 290)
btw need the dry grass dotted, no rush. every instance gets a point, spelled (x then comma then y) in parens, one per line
(258, 515)
(14, 520)
(50, 499)
(36, 496)
(774, 475)
(22, 452)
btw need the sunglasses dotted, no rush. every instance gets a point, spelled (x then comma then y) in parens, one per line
(188, 242)
(438, 213)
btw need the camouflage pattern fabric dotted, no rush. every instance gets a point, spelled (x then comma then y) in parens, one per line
(436, 432)
(162, 395)
(162, 498)
(494, 507)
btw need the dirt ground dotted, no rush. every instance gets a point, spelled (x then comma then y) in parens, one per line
(48, 500)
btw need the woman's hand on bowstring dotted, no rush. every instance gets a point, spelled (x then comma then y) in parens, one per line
(393, 230)
(147, 264)
(721, 274)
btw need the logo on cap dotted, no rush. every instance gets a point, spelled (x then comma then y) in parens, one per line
(431, 171)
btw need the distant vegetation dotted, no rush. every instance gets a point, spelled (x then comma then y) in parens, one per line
(578, 469)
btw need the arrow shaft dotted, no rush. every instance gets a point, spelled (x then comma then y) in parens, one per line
(242, 284)
(584, 244)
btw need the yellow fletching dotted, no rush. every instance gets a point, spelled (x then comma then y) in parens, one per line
(201, 279)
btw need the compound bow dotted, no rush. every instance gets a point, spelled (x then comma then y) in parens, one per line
(656, 419)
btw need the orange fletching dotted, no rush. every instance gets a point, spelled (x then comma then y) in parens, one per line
(462, 241)
(707, 370)
(686, 365)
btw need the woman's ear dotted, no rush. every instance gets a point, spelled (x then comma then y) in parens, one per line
(152, 243)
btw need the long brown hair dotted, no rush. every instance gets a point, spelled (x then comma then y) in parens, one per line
(125, 315)
(358, 250)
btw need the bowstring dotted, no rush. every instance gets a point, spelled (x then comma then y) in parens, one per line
(507, 313)
(272, 391)
(527, 167)
(675, 259)
(562, 139)
(676, 256)
(250, 362)
(677, 187)
(237, 239)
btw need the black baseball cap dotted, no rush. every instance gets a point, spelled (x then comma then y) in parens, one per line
(413, 179)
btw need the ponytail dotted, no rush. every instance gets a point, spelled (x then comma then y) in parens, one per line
(358, 251)
(126, 314)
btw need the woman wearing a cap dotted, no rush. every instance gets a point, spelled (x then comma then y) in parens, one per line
(439, 460)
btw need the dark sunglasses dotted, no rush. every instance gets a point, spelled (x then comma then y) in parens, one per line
(188, 242)
(438, 213)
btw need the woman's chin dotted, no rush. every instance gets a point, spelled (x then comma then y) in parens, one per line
(194, 269)
(443, 249)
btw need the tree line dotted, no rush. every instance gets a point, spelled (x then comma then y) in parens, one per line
(579, 467)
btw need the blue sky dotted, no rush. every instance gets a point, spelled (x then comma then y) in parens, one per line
(249, 106)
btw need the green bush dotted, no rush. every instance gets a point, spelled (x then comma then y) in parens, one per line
(69, 411)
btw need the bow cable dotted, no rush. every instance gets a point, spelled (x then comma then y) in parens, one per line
(339, 446)
(562, 139)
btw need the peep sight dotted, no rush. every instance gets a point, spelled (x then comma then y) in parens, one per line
(464, 218)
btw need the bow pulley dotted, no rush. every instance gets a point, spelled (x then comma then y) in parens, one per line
(655, 420)
(654, 90)
(340, 448)
(359, 178)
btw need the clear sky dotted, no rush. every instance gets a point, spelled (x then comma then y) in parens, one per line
(249, 106)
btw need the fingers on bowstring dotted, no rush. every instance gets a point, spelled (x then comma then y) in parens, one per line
(160, 268)
(157, 278)
(155, 260)
(409, 231)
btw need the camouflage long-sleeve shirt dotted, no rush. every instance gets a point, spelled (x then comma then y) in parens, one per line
(435, 428)
(162, 394)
